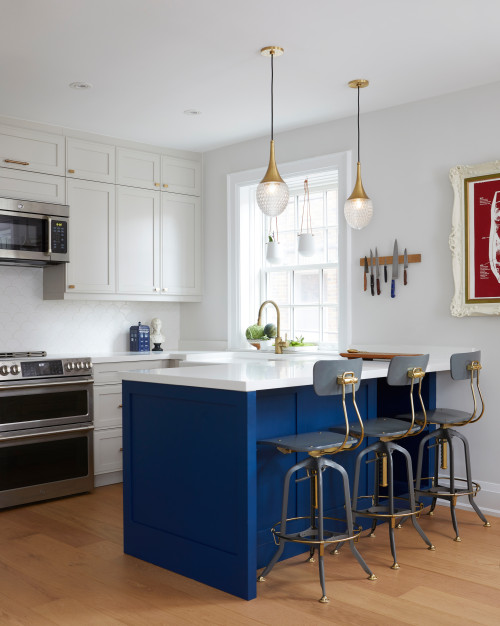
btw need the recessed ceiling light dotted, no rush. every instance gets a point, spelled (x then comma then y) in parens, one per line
(192, 112)
(80, 85)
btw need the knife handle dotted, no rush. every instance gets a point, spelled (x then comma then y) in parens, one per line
(385, 273)
(365, 282)
(378, 287)
(393, 288)
(405, 279)
(372, 284)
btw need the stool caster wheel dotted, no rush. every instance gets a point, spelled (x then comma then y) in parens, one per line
(487, 525)
(395, 565)
(324, 600)
(457, 538)
(261, 579)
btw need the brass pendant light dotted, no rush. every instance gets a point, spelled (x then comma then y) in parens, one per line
(272, 191)
(358, 209)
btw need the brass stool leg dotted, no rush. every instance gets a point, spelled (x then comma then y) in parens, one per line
(452, 486)
(313, 505)
(390, 496)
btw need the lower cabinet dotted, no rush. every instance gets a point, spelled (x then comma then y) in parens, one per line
(108, 450)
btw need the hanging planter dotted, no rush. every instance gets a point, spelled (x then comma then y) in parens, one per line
(273, 250)
(307, 245)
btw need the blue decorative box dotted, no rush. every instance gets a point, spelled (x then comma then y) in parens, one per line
(139, 338)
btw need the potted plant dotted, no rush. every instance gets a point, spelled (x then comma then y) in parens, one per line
(273, 251)
(300, 345)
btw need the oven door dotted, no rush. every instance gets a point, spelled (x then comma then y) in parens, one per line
(45, 403)
(45, 463)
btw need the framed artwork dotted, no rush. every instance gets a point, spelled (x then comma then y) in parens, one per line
(475, 239)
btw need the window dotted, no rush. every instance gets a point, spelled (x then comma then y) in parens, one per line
(311, 292)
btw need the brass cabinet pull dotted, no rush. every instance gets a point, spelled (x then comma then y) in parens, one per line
(16, 162)
(120, 406)
(71, 171)
(121, 449)
(165, 186)
(157, 184)
(71, 286)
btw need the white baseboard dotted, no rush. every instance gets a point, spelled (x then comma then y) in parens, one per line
(100, 480)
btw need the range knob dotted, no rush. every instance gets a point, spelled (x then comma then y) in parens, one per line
(79, 365)
(70, 366)
(88, 365)
(4, 370)
(14, 369)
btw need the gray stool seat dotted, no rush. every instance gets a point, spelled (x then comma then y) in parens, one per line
(439, 416)
(310, 442)
(383, 427)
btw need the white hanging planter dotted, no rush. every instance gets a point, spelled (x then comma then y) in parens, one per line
(273, 252)
(307, 245)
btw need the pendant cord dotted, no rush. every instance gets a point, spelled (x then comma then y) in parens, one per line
(358, 126)
(272, 96)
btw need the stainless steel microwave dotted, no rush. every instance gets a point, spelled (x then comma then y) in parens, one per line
(33, 233)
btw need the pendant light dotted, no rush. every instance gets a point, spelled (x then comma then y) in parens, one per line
(358, 209)
(272, 191)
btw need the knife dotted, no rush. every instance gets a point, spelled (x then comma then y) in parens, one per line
(395, 268)
(377, 272)
(365, 276)
(372, 279)
(405, 280)
(385, 270)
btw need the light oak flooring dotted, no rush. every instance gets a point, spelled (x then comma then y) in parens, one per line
(61, 562)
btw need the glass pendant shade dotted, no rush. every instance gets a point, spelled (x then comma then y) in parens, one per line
(358, 209)
(272, 191)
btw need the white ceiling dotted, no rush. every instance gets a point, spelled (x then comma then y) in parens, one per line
(150, 60)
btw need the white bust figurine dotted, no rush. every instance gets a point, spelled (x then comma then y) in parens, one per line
(156, 336)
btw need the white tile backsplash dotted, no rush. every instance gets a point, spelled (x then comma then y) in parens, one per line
(27, 322)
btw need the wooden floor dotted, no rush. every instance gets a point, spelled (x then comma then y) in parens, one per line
(61, 562)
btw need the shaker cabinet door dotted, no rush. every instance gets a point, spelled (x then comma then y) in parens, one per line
(180, 244)
(138, 240)
(91, 237)
(181, 175)
(89, 160)
(31, 150)
(137, 169)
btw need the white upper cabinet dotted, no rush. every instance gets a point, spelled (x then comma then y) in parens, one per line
(32, 150)
(137, 169)
(181, 175)
(137, 240)
(180, 245)
(91, 237)
(89, 160)
(32, 186)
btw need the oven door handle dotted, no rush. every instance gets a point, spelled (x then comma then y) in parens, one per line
(52, 432)
(69, 382)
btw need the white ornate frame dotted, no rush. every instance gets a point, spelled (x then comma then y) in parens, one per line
(459, 308)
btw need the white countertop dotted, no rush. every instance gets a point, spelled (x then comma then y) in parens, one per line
(253, 372)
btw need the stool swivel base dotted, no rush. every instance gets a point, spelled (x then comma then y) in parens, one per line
(316, 536)
(444, 438)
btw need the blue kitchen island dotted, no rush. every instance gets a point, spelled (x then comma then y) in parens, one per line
(200, 495)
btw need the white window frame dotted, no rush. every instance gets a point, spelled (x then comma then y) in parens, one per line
(239, 180)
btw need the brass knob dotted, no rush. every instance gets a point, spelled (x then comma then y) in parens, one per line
(121, 449)
(165, 186)
(157, 184)
(120, 406)
(156, 289)
(165, 289)
(71, 286)
(71, 171)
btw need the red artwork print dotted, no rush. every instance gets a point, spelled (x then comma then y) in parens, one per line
(484, 246)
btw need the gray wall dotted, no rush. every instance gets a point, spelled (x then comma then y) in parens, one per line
(407, 152)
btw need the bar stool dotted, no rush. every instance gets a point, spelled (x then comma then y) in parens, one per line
(403, 370)
(330, 378)
(463, 366)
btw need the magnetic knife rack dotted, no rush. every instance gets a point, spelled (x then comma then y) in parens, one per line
(387, 260)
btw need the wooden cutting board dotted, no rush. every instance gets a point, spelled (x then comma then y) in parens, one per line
(370, 356)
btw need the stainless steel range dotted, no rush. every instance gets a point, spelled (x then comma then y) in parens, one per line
(46, 427)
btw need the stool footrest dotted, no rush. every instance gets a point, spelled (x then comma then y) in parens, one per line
(402, 508)
(444, 491)
(310, 535)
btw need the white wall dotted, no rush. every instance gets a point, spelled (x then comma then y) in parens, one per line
(27, 322)
(407, 152)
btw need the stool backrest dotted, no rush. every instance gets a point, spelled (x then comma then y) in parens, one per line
(399, 366)
(459, 363)
(325, 374)
(332, 378)
(404, 370)
(466, 366)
